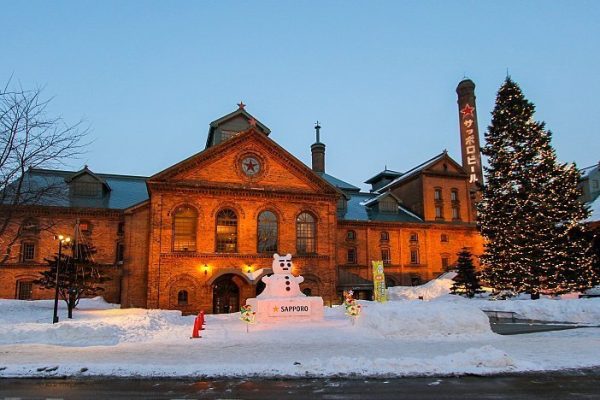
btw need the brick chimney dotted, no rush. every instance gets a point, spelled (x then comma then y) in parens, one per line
(469, 133)
(318, 152)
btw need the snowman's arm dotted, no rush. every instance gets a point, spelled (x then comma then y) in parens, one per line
(299, 279)
(266, 279)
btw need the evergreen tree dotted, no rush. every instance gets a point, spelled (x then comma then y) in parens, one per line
(78, 276)
(466, 281)
(530, 206)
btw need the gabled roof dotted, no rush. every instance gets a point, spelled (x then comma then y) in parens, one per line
(371, 202)
(386, 173)
(86, 171)
(357, 211)
(240, 111)
(420, 168)
(338, 183)
(234, 142)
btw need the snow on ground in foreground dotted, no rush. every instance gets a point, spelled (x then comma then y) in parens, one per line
(398, 338)
(572, 309)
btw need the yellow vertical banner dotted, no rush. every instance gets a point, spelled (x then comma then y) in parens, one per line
(379, 282)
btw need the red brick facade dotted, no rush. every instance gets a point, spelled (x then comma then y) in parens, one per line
(155, 274)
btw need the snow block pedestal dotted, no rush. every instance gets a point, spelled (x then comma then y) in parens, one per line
(287, 309)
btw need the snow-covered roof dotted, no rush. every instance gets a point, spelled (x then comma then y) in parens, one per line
(595, 208)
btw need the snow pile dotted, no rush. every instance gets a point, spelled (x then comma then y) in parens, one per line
(423, 319)
(581, 311)
(447, 336)
(430, 290)
(95, 323)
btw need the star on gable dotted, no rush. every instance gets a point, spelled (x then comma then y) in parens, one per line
(250, 165)
(241, 105)
(252, 122)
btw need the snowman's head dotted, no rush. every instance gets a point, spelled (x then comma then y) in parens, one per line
(282, 264)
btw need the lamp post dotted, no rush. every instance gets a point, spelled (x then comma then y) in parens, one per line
(61, 240)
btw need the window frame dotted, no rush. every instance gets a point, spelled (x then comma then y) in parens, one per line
(258, 233)
(25, 253)
(351, 255)
(386, 260)
(416, 259)
(302, 241)
(183, 298)
(193, 231)
(220, 244)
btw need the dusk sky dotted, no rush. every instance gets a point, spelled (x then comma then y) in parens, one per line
(149, 77)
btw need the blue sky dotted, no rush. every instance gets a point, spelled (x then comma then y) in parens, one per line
(148, 77)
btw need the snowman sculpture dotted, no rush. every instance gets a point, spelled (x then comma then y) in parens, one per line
(282, 283)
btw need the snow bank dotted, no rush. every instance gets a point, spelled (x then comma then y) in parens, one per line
(449, 335)
(423, 319)
(582, 311)
(430, 290)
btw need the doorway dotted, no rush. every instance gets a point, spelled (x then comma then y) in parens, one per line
(226, 295)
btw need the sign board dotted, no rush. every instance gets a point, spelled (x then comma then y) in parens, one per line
(379, 290)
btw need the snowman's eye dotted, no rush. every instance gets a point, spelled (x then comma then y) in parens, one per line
(281, 264)
(289, 264)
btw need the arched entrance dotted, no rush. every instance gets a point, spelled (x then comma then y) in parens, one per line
(226, 295)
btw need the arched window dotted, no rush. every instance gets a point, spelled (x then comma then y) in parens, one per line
(384, 236)
(184, 229)
(267, 232)
(444, 238)
(306, 233)
(350, 235)
(226, 231)
(182, 298)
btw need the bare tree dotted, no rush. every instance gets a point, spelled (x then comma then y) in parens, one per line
(30, 138)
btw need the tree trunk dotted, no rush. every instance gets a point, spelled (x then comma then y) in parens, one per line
(71, 306)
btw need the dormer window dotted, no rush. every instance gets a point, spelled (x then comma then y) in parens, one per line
(86, 189)
(388, 205)
(87, 184)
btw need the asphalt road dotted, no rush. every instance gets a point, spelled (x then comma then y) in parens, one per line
(572, 385)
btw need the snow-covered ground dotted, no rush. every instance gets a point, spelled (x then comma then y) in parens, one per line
(447, 335)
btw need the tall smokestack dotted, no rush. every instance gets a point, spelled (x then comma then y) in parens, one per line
(469, 134)
(318, 152)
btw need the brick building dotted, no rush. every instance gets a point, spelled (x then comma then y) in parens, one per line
(201, 234)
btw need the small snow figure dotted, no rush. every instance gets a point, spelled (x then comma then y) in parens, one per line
(353, 309)
(247, 315)
(282, 283)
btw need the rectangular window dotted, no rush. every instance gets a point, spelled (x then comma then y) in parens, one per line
(455, 213)
(386, 256)
(388, 205)
(437, 194)
(445, 263)
(28, 252)
(454, 195)
(414, 256)
(120, 253)
(24, 290)
(352, 256)
(86, 189)
(438, 212)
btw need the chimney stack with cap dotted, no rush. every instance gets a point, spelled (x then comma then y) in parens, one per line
(318, 152)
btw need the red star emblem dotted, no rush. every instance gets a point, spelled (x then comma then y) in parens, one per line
(241, 105)
(250, 165)
(467, 110)
(252, 122)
